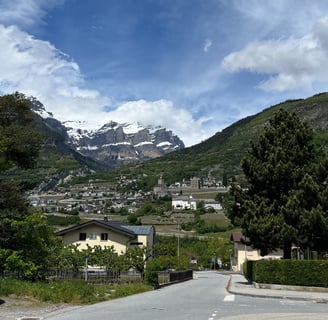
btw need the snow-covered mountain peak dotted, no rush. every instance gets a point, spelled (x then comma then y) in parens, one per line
(40, 109)
(131, 128)
(112, 144)
(82, 125)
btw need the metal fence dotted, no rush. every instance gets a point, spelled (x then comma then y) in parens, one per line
(103, 276)
(91, 276)
(165, 277)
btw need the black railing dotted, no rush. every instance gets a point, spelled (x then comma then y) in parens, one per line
(181, 275)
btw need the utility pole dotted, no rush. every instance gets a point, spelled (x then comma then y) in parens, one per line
(86, 257)
(178, 239)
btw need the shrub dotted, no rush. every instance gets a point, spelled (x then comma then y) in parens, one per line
(289, 272)
(248, 269)
(151, 278)
(151, 275)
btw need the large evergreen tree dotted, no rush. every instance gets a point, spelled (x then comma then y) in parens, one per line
(285, 202)
(26, 241)
(19, 143)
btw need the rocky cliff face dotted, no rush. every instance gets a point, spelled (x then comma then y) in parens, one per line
(113, 144)
(123, 143)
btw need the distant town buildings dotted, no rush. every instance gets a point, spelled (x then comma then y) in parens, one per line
(184, 202)
(195, 184)
(103, 198)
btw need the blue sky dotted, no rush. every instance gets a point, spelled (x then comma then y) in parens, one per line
(192, 66)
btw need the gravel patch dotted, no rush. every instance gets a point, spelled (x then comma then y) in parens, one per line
(13, 307)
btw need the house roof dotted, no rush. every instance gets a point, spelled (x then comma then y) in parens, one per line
(140, 230)
(238, 237)
(111, 225)
(118, 226)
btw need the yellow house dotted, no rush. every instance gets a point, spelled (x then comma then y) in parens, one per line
(107, 233)
(242, 252)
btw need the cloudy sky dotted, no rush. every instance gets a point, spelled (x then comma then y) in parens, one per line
(192, 66)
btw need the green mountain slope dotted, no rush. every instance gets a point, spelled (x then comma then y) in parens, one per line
(218, 156)
(56, 159)
(221, 154)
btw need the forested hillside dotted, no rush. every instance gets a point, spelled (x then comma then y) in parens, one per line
(220, 155)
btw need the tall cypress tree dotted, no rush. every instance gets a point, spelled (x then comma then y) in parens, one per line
(285, 202)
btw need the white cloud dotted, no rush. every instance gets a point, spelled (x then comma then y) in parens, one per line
(287, 17)
(207, 45)
(35, 67)
(292, 63)
(161, 113)
(25, 13)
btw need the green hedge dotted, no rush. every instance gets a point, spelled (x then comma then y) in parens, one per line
(248, 268)
(288, 272)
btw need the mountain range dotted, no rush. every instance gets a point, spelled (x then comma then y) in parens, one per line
(114, 144)
(70, 146)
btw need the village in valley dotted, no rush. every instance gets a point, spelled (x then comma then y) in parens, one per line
(101, 208)
(98, 198)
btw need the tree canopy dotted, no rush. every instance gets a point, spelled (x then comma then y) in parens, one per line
(19, 143)
(26, 241)
(285, 202)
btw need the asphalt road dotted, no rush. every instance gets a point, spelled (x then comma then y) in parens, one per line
(203, 298)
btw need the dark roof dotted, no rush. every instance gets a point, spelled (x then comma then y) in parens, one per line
(141, 230)
(117, 226)
(238, 237)
(111, 225)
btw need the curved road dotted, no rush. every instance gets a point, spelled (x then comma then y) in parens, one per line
(203, 298)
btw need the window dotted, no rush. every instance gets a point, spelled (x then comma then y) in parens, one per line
(93, 236)
(83, 236)
(104, 236)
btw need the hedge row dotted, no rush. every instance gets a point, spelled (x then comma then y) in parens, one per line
(313, 273)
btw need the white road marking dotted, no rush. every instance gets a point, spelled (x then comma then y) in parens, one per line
(292, 302)
(229, 297)
(213, 315)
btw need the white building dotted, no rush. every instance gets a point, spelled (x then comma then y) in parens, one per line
(242, 252)
(184, 202)
(212, 204)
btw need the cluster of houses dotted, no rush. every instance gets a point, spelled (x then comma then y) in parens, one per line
(99, 198)
(120, 236)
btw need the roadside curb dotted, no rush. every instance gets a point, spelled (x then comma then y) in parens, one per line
(255, 292)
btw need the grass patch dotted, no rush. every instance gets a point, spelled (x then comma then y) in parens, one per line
(74, 292)
(217, 218)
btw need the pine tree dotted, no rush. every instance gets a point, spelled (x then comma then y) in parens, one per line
(285, 202)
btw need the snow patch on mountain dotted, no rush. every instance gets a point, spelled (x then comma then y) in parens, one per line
(163, 144)
(112, 144)
(40, 109)
(143, 143)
